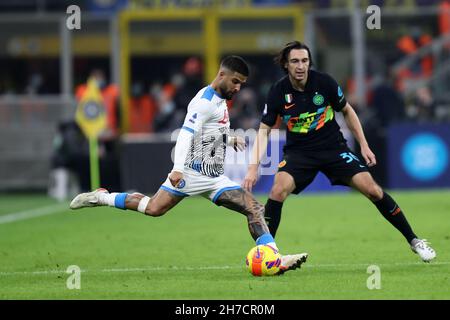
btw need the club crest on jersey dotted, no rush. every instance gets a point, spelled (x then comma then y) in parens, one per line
(181, 184)
(318, 99)
(288, 97)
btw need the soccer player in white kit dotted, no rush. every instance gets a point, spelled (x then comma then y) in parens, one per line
(199, 164)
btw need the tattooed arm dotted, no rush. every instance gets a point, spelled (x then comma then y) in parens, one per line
(244, 202)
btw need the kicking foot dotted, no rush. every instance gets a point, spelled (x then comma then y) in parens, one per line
(292, 262)
(423, 249)
(87, 199)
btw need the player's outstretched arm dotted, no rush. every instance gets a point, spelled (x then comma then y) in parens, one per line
(182, 146)
(258, 150)
(197, 114)
(353, 123)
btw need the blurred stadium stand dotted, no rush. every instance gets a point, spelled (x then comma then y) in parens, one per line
(145, 46)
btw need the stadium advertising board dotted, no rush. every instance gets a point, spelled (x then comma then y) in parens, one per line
(419, 156)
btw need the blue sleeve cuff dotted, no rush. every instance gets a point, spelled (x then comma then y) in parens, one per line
(188, 129)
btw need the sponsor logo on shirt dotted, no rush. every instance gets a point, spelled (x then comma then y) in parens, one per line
(288, 106)
(340, 94)
(307, 121)
(194, 117)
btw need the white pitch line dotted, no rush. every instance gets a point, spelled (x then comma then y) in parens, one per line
(33, 213)
(418, 263)
(169, 268)
(200, 268)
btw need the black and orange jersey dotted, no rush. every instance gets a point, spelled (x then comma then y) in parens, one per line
(309, 114)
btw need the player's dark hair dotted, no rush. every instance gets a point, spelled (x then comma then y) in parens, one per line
(282, 58)
(236, 64)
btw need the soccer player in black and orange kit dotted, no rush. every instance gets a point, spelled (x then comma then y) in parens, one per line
(306, 100)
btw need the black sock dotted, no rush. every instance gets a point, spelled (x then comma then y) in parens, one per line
(392, 212)
(273, 215)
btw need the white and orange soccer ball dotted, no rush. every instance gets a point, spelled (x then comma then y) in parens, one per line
(263, 260)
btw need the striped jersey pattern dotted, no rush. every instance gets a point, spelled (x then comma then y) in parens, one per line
(207, 119)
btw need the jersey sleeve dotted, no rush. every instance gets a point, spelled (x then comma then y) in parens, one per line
(197, 114)
(272, 107)
(335, 94)
(181, 150)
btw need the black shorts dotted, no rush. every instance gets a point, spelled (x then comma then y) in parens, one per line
(339, 165)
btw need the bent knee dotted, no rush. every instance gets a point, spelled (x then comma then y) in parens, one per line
(374, 192)
(155, 210)
(138, 195)
(278, 193)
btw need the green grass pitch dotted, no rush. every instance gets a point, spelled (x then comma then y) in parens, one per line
(197, 250)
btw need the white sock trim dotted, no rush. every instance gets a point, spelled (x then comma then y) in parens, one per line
(107, 199)
(111, 198)
(273, 245)
(143, 204)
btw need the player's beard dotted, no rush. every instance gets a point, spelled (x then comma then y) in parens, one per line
(228, 95)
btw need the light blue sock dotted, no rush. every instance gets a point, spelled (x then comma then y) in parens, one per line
(266, 239)
(119, 201)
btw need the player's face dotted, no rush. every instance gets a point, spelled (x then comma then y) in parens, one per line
(231, 83)
(298, 64)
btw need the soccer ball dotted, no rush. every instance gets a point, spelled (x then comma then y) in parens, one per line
(263, 260)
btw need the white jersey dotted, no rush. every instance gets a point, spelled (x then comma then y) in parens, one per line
(207, 119)
(203, 166)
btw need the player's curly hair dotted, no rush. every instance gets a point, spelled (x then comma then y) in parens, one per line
(236, 64)
(283, 55)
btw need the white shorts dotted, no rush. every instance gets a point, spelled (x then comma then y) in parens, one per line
(195, 183)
